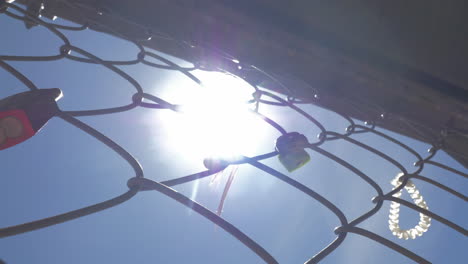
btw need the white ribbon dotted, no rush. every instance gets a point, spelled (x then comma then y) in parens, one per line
(424, 221)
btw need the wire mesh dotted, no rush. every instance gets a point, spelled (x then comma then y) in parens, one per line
(145, 100)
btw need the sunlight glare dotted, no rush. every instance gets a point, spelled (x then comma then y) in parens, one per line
(215, 119)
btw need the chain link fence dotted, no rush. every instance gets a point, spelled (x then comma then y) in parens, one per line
(260, 97)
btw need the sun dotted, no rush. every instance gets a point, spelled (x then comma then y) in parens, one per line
(215, 120)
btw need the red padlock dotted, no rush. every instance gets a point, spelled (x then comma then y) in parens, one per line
(23, 115)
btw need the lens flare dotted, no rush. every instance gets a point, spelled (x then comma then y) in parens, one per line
(215, 120)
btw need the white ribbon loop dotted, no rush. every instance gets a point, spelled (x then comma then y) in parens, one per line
(424, 220)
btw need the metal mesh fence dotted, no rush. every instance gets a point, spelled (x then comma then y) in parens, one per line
(260, 97)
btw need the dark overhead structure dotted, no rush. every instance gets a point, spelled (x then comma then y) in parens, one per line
(401, 64)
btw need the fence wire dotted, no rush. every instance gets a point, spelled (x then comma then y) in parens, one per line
(140, 183)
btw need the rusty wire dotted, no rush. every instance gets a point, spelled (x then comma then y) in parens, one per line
(140, 183)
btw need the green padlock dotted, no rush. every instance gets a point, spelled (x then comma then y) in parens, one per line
(291, 150)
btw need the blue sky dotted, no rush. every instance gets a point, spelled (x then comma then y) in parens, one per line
(62, 169)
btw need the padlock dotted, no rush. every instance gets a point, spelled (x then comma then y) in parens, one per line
(291, 151)
(23, 115)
